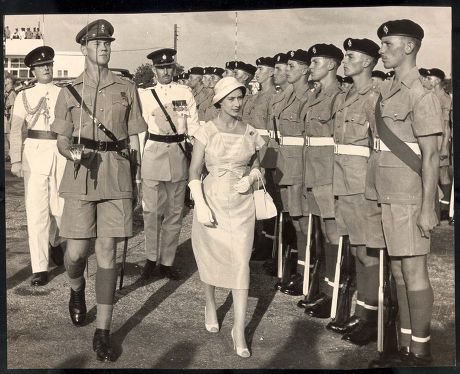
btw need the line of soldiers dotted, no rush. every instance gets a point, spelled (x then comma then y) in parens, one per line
(341, 182)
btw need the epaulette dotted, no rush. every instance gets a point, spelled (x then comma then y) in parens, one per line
(126, 79)
(23, 88)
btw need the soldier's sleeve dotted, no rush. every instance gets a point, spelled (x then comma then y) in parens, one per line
(136, 122)
(427, 116)
(62, 123)
(446, 104)
(17, 122)
(193, 124)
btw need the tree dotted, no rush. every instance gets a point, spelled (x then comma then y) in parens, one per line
(144, 75)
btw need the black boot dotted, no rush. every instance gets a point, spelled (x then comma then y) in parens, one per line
(364, 333)
(101, 345)
(77, 306)
(344, 328)
(147, 272)
(322, 309)
(294, 286)
(308, 304)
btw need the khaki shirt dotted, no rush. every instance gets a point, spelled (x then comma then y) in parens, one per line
(409, 112)
(446, 103)
(115, 102)
(316, 117)
(351, 126)
(200, 95)
(209, 110)
(290, 165)
(256, 109)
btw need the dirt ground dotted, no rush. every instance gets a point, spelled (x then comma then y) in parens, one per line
(161, 325)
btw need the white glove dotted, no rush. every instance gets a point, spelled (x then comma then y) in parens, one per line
(203, 213)
(245, 183)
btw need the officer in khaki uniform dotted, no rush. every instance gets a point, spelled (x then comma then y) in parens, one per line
(435, 77)
(164, 165)
(199, 91)
(37, 160)
(98, 194)
(407, 198)
(318, 198)
(288, 175)
(352, 150)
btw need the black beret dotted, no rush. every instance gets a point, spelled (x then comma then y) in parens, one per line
(281, 58)
(401, 27)
(339, 78)
(39, 56)
(230, 65)
(299, 55)
(326, 50)
(96, 30)
(390, 74)
(435, 72)
(379, 74)
(217, 71)
(266, 61)
(185, 75)
(207, 70)
(347, 79)
(248, 68)
(162, 57)
(175, 78)
(365, 46)
(422, 72)
(196, 70)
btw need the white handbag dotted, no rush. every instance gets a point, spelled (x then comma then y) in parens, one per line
(265, 207)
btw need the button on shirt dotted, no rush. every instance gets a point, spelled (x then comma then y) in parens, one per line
(317, 119)
(114, 102)
(409, 112)
(351, 126)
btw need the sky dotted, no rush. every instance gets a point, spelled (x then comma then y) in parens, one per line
(208, 38)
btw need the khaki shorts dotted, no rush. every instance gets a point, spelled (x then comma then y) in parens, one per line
(102, 219)
(291, 199)
(374, 228)
(350, 214)
(319, 201)
(402, 235)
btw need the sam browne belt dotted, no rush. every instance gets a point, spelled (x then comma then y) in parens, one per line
(101, 146)
(176, 138)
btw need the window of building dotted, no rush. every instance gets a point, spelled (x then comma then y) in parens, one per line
(59, 73)
(15, 63)
(23, 73)
(66, 73)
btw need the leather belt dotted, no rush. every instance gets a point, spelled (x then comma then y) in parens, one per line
(379, 145)
(41, 134)
(176, 138)
(353, 150)
(101, 146)
(319, 141)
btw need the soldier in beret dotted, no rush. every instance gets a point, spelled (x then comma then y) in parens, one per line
(244, 73)
(98, 195)
(209, 111)
(435, 78)
(404, 188)
(164, 163)
(377, 78)
(37, 160)
(229, 69)
(288, 175)
(318, 198)
(351, 135)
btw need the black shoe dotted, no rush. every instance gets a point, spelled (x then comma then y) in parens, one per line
(39, 279)
(311, 303)
(387, 362)
(415, 359)
(147, 272)
(294, 286)
(169, 272)
(344, 328)
(322, 309)
(101, 345)
(452, 222)
(57, 255)
(363, 333)
(77, 306)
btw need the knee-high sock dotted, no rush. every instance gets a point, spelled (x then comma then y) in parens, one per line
(360, 286)
(371, 293)
(404, 316)
(421, 308)
(330, 257)
(75, 271)
(106, 280)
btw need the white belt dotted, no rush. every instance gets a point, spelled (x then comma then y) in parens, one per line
(349, 149)
(271, 134)
(292, 140)
(379, 145)
(263, 132)
(318, 141)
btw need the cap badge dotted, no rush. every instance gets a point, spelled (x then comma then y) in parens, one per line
(163, 57)
(292, 53)
(385, 29)
(43, 54)
(314, 50)
(102, 28)
(428, 72)
(349, 42)
(278, 58)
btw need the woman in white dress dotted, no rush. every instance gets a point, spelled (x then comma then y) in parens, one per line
(224, 215)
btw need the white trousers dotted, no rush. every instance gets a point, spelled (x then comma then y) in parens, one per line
(44, 211)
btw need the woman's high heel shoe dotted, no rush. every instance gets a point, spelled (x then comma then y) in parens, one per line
(242, 352)
(211, 327)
